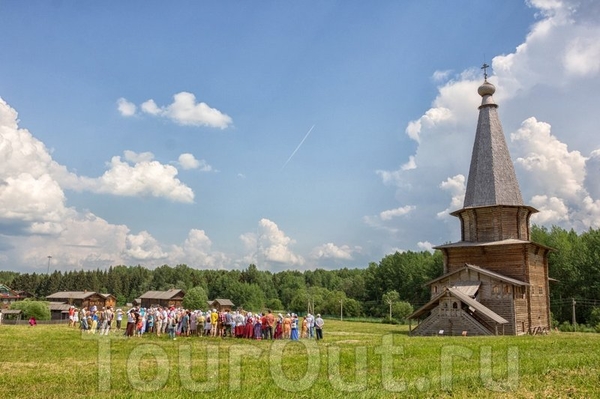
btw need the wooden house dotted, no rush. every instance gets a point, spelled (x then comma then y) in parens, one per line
(81, 299)
(59, 310)
(221, 305)
(495, 279)
(8, 297)
(172, 297)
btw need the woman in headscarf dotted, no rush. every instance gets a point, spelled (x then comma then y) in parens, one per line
(279, 327)
(287, 325)
(294, 335)
(257, 327)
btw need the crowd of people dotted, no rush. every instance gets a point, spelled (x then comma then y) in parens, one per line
(175, 322)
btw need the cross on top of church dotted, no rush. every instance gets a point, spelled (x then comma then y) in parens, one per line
(485, 67)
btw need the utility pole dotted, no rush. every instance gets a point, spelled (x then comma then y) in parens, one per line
(341, 309)
(49, 257)
(574, 319)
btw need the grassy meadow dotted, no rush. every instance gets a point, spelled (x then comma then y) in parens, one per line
(355, 360)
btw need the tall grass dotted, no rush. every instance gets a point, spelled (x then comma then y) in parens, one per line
(355, 360)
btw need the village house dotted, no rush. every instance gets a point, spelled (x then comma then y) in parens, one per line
(81, 299)
(222, 305)
(172, 297)
(8, 297)
(495, 279)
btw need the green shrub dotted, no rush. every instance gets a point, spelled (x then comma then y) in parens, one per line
(37, 309)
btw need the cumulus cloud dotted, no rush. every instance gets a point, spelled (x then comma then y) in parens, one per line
(456, 187)
(553, 168)
(197, 250)
(332, 251)
(188, 161)
(271, 244)
(439, 76)
(184, 110)
(393, 213)
(136, 174)
(125, 107)
(425, 246)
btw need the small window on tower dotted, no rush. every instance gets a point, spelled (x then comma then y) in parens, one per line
(540, 290)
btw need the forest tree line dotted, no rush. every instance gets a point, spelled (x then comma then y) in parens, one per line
(575, 263)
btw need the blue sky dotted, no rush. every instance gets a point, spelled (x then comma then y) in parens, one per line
(150, 133)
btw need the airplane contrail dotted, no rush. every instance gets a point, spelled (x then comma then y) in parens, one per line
(297, 148)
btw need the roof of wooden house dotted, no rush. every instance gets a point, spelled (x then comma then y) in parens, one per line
(7, 292)
(492, 179)
(58, 306)
(483, 271)
(71, 295)
(162, 294)
(466, 244)
(222, 302)
(467, 300)
(11, 311)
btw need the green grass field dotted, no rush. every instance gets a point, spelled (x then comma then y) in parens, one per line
(355, 360)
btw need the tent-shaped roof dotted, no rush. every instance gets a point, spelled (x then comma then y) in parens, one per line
(492, 179)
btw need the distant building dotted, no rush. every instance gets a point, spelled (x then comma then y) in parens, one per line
(8, 297)
(81, 299)
(221, 305)
(495, 279)
(59, 310)
(172, 297)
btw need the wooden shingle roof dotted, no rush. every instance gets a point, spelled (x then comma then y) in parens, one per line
(164, 295)
(492, 179)
(483, 271)
(467, 300)
(71, 295)
(222, 302)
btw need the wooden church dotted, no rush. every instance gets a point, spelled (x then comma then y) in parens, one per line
(495, 279)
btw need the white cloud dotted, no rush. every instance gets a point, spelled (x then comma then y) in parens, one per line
(392, 213)
(552, 210)
(553, 169)
(184, 110)
(456, 187)
(135, 157)
(425, 246)
(143, 247)
(332, 251)
(134, 175)
(582, 56)
(411, 164)
(188, 161)
(271, 244)
(197, 250)
(439, 76)
(150, 107)
(125, 107)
